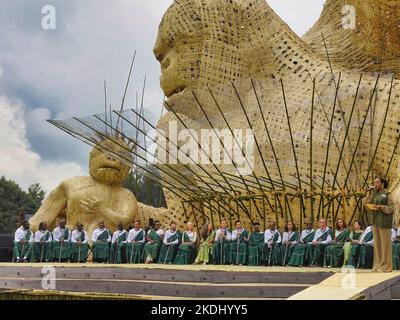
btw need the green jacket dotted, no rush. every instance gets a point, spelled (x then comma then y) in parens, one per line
(380, 218)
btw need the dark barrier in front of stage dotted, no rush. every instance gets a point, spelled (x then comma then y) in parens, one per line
(6, 243)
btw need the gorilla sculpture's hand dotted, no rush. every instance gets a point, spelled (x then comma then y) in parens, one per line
(91, 204)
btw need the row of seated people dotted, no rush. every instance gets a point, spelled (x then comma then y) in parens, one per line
(320, 247)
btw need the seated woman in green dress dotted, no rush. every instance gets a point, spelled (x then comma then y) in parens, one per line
(187, 248)
(301, 254)
(358, 228)
(289, 239)
(361, 254)
(42, 244)
(256, 246)
(79, 244)
(134, 243)
(333, 256)
(206, 245)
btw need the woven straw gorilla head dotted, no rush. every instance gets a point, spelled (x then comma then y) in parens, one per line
(104, 167)
(209, 43)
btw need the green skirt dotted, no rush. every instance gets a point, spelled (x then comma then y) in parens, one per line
(396, 256)
(366, 258)
(286, 253)
(333, 256)
(150, 251)
(238, 253)
(272, 256)
(301, 255)
(118, 253)
(134, 252)
(168, 253)
(101, 251)
(186, 254)
(256, 254)
(317, 254)
(204, 254)
(42, 252)
(61, 251)
(79, 253)
(23, 251)
(220, 252)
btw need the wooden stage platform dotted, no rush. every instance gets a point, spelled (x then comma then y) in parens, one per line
(92, 281)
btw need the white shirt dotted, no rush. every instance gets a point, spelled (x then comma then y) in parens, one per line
(169, 234)
(305, 233)
(97, 232)
(398, 232)
(227, 235)
(269, 235)
(76, 234)
(117, 234)
(286, 236)
(133, 233)
(192, 236)
(236, 234)
(58, 233)
(40, 234)
(320, 232)
(366, 231)
(20, 235)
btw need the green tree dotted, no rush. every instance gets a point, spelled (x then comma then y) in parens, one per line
(13, 199)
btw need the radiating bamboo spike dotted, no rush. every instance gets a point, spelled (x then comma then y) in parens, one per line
(294, 153)
(202, 149)
(233, 135)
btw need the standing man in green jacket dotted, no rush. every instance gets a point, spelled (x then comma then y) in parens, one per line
(380, 214)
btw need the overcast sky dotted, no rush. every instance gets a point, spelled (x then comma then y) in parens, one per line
(59, 73)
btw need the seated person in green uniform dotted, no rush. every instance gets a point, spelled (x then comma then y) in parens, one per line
(301, 254)
(221, 244)
(79, 244)
(118, 244)
(206, 245)
(361, 254)
(272, 245)
(23, 241)
(154, 239)
(134, 243)
(42, 244)
(334, 251)
(322, 239)
(396, 249)
(256, 246)
(170, 244)
(187, 248)
(289, 239)
(101, 239)
(358, 228)
(61, 245)
(238, 254)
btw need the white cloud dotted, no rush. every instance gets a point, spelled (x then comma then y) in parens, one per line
(18, 161)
